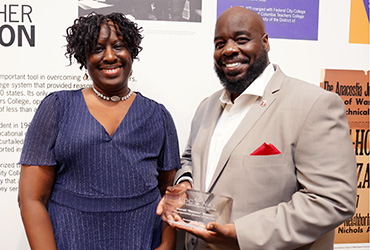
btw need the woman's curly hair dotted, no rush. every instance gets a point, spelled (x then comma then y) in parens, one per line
(82, 36)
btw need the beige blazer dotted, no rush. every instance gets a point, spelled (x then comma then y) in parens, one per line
(292, 200)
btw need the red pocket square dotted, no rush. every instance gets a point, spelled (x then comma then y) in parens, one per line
(266, 149)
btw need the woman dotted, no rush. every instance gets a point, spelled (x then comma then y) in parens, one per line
(95, 160)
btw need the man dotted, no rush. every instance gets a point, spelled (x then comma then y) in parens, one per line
(278, 146)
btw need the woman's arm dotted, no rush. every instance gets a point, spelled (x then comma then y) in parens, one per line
(35, 186)
(165, 179)
(168, 237)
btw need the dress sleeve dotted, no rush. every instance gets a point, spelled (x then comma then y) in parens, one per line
(170, 156)
(38, 148)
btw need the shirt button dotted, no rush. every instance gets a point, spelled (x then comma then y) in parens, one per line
(192, 241)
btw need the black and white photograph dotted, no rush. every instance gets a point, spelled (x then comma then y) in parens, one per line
(161, 10)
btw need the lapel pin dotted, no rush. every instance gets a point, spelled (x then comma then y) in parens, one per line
(263, 103)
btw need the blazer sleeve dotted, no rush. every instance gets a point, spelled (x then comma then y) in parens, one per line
(186, 157)
(186, 171)
(326, 172)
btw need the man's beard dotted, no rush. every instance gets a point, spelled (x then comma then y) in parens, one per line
(238, 85)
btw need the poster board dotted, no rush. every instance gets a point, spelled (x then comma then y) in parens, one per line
(353, 87)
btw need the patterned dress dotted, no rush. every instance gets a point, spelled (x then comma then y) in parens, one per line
(105, 193)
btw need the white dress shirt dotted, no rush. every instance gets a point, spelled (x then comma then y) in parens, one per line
(231, 117)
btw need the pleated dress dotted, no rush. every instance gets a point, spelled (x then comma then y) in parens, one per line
(105, 193)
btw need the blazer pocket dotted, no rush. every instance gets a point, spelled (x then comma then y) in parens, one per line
(264, 160)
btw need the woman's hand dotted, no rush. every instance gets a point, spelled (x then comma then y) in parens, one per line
(173, 193)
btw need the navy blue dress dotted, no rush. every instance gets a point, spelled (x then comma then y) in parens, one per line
(105, 193)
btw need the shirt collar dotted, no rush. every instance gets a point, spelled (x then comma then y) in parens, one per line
(256, 88)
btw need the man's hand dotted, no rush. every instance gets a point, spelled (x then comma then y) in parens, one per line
(216, 235)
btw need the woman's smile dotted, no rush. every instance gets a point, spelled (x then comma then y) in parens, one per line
(112, 71)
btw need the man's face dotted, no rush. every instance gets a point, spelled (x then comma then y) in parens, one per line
(241, 47)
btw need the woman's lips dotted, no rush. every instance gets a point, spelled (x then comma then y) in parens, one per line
(111, 71)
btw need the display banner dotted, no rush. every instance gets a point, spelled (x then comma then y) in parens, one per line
(293, 19)
(353, 87)
(360, 22)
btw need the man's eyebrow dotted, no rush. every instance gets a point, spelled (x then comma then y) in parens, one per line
(237, 33)
(217, 38)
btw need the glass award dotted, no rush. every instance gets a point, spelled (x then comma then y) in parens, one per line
(195, 208)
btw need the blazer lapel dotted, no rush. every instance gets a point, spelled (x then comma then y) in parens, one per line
(248, 122)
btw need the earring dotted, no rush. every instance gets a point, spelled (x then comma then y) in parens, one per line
(131, 73)
(86, 76)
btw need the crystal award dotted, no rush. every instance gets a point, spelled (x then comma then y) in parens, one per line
(195, 208)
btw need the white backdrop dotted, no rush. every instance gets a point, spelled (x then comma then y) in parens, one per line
(175, 68)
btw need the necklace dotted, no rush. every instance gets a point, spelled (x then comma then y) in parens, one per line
(113, 98)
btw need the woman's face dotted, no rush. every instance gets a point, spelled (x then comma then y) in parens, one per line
(110, 64)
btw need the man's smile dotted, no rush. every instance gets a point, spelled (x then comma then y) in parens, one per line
(232, 66)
